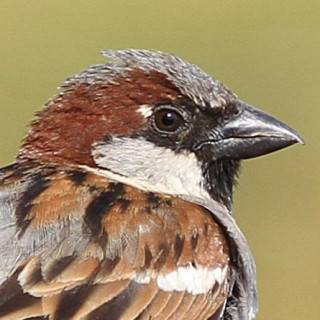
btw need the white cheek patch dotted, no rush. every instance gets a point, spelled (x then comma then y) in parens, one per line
(142, 164)
(145, 110)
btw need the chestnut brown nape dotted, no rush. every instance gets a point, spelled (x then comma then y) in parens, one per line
(77, 118)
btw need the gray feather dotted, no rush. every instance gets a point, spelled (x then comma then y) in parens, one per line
(188, 78)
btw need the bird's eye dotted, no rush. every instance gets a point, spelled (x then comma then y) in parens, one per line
(168, 120)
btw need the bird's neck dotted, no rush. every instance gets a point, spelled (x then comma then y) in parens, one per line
(220, 179)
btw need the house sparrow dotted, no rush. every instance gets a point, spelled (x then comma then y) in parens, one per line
(118, 205)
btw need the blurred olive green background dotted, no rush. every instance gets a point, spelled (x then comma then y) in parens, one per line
(266, 51)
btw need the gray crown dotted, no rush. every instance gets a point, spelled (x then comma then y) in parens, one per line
(188, 78)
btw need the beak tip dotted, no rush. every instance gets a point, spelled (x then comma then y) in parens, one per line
(301, 140)
(296, 137)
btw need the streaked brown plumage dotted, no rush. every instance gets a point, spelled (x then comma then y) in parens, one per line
(119, 203)
(175, 233)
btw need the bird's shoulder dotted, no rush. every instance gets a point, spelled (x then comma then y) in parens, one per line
(69, 234)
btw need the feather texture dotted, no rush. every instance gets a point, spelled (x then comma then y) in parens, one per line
(77, 245)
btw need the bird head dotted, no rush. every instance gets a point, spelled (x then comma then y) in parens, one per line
(154, 121)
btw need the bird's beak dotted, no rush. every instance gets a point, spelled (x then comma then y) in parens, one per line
(253, 133)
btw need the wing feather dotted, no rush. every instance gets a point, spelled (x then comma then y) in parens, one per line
(154, 309)
(90, 247)
(172, 305)
(183, 310)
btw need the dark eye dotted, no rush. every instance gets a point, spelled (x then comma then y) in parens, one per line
(168, 120)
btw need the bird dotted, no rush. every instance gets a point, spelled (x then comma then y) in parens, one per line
(119, 202)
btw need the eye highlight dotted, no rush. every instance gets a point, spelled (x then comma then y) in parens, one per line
(168, 120)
